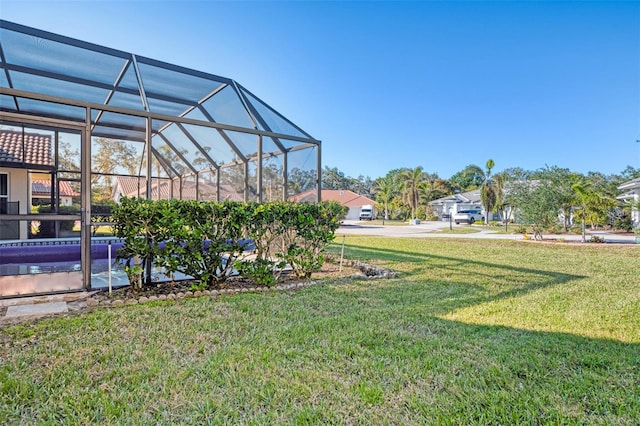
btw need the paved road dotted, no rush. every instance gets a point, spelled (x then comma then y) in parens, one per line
(432, 229)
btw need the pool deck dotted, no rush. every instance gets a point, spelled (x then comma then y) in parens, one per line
(19, 309)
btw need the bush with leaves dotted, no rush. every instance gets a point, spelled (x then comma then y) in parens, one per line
(310, 227)
(265, 224)
(136, 221)
(206, 240)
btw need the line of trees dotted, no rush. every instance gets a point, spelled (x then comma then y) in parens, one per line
(539, 196)
(547, 198)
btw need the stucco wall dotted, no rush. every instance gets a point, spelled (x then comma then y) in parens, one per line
(19, 191)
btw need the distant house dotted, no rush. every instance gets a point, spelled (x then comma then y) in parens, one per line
(41, 190)
(631, 194)
(165, 189)
(442, 207)
(350, 199)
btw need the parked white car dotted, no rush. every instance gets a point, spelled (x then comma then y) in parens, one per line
(366, 212)
(468, 216)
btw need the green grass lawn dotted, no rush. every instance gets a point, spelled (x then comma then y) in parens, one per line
(460, 229)
(471, 332)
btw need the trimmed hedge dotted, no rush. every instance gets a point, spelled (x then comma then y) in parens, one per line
(207, 240)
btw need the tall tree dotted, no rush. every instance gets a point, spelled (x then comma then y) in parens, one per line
(468, 179)
(500, 180)
(536, 205)
(412, 180)
(630, 172)
(332, 178)
(362, 185)
(594, 207)
(385, 190)
(558, 183)
(516, 173)
(111, 156)
(488, 193)
(301, 180)
(68, 157)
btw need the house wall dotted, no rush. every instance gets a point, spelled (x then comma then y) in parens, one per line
(19, 189)
(353, 213)
(440, 209)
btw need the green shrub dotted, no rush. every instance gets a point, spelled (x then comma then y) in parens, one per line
(623, 223)
(575, 229)
(136, 222)
(520, 229)
(262, 271)
(309, 234)
(203, 239)
(556, 228)
(206, 240)
(432, 217)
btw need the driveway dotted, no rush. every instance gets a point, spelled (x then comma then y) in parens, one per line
(430, 229)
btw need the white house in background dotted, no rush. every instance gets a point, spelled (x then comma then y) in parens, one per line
(350, 199)
(449, 205)
(631, 194)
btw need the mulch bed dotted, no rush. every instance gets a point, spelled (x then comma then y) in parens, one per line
(238, 284)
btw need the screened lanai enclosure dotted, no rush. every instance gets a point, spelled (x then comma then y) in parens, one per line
(83, 125)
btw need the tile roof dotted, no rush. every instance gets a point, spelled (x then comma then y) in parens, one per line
(43, 187)
(34, 148)
(472, 197)
(129, 187)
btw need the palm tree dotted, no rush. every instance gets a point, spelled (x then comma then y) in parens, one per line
(499, 181)
(488, 192)
(582, 197)
(430, 188)
(411, 182)
(385, 189)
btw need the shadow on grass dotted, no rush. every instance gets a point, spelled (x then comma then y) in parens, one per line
(462, 282)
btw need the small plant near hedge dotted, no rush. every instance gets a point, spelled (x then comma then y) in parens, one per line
(520, 229)
(136, 221)
(206, 240)
(309, 228)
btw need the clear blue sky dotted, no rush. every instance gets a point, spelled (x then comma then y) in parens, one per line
(403, 84)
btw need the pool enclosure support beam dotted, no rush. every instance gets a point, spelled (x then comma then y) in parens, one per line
(259, 171)
(149, 159)
(319, 174)
(246, 181)
(149, 130)
(285, 178)
(85, 201)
